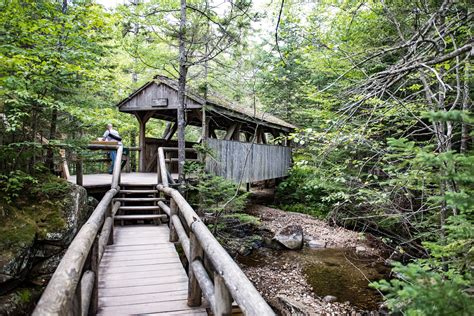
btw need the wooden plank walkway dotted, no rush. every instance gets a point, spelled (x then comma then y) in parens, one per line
(141, 274)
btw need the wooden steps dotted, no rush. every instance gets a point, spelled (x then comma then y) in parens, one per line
(141, 273)
(139, 199)
(138, 191)
(140, 208)
(140, 217)
(139, 205)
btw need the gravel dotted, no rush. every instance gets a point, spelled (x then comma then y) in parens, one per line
(285, 282)
(314, 229)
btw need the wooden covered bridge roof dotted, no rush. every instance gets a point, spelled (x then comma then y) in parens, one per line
(160, 95)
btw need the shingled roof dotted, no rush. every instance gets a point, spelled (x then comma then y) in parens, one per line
(215, 103)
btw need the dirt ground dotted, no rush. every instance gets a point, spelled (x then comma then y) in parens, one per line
(284, 285)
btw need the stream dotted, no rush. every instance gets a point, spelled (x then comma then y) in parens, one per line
(338, 272)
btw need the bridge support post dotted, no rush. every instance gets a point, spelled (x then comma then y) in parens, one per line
(195, 253)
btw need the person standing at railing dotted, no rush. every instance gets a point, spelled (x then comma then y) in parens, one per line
(112, 135)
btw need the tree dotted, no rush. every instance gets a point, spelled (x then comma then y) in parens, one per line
(50, 51)
(200, 32)
(391, 155)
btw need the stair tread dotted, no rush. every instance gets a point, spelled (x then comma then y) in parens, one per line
(138, 191)
(142, 216)
(139, 207)
(139, 199)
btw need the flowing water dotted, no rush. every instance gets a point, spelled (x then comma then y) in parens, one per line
(338, 272)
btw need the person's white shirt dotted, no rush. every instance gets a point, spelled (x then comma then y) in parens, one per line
(107, 137)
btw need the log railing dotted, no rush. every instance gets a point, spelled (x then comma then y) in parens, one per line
(73, 288)
(80, 161)
(212, 272)
(164, 175)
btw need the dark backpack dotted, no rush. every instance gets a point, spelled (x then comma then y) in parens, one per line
(117, 138)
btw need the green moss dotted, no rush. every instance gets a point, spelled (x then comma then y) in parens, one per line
(304, 209)
(244, 218)
(24, 295)
(38, 211)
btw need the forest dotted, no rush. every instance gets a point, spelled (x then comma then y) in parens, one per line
(380, 91)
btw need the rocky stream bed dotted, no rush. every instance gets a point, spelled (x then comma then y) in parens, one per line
(328, 275)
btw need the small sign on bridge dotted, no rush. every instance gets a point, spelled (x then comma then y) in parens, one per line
(159, 102)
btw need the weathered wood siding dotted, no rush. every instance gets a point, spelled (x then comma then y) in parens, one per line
(251, 162)
(151, 151)
(156, 97)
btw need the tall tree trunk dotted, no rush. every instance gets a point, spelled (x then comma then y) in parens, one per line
(466, 106)
(204, 134)
(183, 71)
(54, 111)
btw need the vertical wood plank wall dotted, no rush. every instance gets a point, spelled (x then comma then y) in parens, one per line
(263, 161)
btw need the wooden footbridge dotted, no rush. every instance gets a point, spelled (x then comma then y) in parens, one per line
(124, 260)
(134, 267)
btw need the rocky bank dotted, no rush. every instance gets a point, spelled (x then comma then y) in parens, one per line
(34, 236)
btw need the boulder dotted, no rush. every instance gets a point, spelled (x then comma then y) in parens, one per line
(39, 253)
(14, 266)
(289, 306)
(360, 250)
(317, 244)
(76, 211)
(329, 298)
(290, 236)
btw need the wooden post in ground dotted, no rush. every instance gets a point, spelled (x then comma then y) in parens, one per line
(195, 253)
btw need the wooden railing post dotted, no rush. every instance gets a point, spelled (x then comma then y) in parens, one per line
(161, 161)
(158, 170)
(223, 299)
(94, 304)
(76, 302)
(195, 253)
(86, 284)
(173, 211)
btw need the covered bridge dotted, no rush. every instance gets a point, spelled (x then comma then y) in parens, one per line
(249, 145)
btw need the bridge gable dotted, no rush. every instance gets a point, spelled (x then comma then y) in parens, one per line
(155, 96)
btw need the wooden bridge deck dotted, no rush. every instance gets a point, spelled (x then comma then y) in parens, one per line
(141, 273)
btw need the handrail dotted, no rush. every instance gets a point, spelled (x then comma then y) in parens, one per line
(162, 167)
(79, 162)
(117, 167)
(63, 294)
(228, 281)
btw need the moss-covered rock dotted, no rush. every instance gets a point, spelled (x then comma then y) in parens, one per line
(37, 228)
